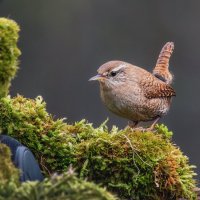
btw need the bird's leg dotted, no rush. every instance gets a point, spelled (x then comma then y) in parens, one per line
(133, 124)
(153, 124)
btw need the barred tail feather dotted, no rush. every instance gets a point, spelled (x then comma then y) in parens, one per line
(161, 69)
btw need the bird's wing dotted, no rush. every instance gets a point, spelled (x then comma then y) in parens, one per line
(157, 89)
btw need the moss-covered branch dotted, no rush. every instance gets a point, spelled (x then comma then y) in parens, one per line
(66, 186)
(9, 54)
(132, 164)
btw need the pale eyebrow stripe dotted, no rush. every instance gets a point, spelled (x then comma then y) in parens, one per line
(119, 67)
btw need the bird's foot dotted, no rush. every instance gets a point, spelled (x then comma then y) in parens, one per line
(151, 128)
(132, 124)
(143, 129)
(140, 129)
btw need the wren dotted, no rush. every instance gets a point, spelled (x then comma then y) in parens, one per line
(133, 93)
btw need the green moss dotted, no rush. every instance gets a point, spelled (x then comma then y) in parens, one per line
(28, 121)
(66, 187)
(133, 164)
(9, 53)
(9, 175)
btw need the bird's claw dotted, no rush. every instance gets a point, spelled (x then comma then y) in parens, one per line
(142, 129)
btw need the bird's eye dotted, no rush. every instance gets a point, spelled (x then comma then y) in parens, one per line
(113, 74)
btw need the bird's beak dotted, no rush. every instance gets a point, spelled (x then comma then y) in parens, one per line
(96, 78)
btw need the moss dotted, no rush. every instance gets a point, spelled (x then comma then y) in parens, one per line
(9, 53)
(9, 175)
(66, 187)
(132, 164)
(28, 121)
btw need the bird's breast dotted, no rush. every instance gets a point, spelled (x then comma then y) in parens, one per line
(131, 103)
(121, 101)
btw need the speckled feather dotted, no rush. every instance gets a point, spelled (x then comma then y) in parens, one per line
(156, 88)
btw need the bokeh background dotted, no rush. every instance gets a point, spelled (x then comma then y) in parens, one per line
(63, 43)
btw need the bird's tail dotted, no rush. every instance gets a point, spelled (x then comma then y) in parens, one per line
(161, 69)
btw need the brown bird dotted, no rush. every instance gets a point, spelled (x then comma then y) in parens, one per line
(134, 93)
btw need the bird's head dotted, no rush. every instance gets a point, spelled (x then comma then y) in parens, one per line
(112, 73)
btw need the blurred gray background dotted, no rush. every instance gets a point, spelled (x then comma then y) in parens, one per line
(63, 43)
